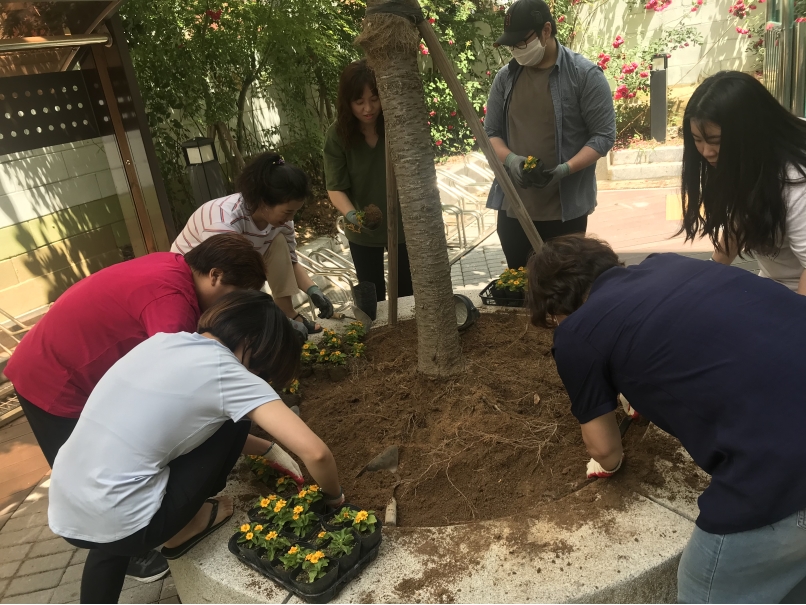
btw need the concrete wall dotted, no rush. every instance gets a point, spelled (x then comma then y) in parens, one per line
(60, 220)
(722, 48)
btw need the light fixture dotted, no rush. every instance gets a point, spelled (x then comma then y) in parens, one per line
(660, 61)
(466, 312)
(198, 151)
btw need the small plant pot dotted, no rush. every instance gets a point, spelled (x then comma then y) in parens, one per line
(276, 569)
(339, 373)
(327, 519)
(255, 515)
(320, 585)
(321, 371)
(252, 554)
(370, 541)
(291, 399)
(307, 537)
(347, 562)
(305, 371)
(319, 507)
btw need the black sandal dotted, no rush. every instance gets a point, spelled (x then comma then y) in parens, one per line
(178, 551)
(311, 327)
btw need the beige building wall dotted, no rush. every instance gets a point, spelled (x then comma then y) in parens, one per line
(60, 220)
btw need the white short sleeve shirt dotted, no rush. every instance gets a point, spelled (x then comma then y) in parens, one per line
(789, 263)
(230, 215)
(164, 398)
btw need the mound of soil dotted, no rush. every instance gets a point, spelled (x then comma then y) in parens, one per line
(497, 441)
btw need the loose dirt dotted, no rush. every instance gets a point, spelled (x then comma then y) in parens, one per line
(497, 441)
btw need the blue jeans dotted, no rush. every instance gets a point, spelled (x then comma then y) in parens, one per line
(765, 565)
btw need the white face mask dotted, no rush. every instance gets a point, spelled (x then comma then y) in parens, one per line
(531, 55)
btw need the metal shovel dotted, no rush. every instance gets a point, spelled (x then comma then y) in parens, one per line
(387, 460)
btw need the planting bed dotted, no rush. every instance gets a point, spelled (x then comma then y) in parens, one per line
(499, 440)
(493, 501)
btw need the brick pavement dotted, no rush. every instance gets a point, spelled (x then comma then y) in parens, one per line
(37, 566)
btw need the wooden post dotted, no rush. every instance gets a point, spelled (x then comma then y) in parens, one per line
(392, 214)
(445, 67)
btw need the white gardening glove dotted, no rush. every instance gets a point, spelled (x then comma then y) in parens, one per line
(282, 462)
(628, 409)
(597, 470)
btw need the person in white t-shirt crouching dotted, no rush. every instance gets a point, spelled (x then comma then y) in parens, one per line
(164, 427)
(744, 176)
(271, 193)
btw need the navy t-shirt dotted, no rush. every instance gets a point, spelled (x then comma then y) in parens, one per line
(713, 355)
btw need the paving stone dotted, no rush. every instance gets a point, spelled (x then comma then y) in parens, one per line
(3, 584)
(8, 569)
(30, 507)
(65, 593)
(73, 574)
(168, 588)
(51, 547)
(47, 534)
(39, 519)
(79, 556)
(171, 600)
(35, 582)
(15, 538)
(144, 593)
(14, 553)
(42, 596)
(47, 563)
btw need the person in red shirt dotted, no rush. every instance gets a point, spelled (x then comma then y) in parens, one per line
(104, 316)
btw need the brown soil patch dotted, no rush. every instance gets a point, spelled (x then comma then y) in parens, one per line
(477, 447)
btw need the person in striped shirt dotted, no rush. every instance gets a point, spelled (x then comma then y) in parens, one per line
(271, 193)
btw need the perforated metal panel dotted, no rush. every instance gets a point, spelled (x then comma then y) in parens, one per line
(47, 109)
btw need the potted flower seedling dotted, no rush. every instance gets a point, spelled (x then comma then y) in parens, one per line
(343, 548)
(281, 514)
(287, 564)
(307, 359)
(357, 350)
(369, 218)
(510, 288)
(317, 573)
(303, 522)
(274, 543)
(263, 509)
(291, 395)
(311, 496)
(263, 470)
(369, 529)
(321, 368)
(331, 341)
(535, 173)
(338, 367)
(250, 541)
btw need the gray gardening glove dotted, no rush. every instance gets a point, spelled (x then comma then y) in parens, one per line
(301, 330)
(558, 174)
(321, 301)
(351, 218)
(514, 165)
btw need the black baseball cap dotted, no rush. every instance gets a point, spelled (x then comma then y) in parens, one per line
(522, 17)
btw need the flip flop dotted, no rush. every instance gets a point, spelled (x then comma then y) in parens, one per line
(310, 326)
(178, 551)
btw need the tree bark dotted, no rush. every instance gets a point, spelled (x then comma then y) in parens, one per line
(247, 84)
(390, 43)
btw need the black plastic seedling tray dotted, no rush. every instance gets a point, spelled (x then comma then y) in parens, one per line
(322, 597)
(487, 298)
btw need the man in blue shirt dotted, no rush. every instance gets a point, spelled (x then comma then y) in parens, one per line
(714, 356)
(554, 104)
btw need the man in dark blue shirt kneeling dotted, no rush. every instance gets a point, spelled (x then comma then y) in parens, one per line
(714, 356)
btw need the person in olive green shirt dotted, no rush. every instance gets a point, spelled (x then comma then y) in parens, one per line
(355, 175)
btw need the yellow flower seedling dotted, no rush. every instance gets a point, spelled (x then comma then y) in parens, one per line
(258, 528)
(271, 535)
(264, 503)
(249, 535)
(245, 527)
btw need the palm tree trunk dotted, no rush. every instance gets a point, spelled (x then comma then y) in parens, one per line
(390, 43)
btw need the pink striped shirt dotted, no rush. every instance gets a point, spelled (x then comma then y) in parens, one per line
(229, 214)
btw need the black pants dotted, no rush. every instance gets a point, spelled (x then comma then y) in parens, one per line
(51, 431)
(517, 248)
(196, 476)
(368, 261)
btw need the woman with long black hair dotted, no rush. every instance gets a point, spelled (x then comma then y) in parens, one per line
(355, 174)
(744, 176)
